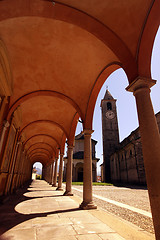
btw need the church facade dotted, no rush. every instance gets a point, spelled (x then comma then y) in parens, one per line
(78, 159)
(122, 161)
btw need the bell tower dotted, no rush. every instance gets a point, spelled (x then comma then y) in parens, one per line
(110, 132)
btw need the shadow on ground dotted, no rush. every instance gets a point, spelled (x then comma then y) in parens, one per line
(9, 217)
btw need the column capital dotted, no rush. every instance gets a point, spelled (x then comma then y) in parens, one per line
(6, 124)
(139, 83)
(87, 131)
(70, 147)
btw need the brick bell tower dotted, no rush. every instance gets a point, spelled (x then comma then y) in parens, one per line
(110, 132)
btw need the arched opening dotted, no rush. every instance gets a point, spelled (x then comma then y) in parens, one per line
(109, 106)
(126, 111)
(37, 171)
(155, 72)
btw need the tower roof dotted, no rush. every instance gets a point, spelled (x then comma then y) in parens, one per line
(108, 95)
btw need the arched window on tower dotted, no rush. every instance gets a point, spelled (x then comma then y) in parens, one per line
(109, 106)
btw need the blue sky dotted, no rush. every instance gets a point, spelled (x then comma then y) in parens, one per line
(126, 107)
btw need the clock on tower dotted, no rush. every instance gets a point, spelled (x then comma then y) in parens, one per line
(110, 114)
(110, 132)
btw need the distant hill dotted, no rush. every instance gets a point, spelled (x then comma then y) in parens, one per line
(39, 171)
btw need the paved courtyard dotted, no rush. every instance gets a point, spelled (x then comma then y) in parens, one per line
(129, 203)
(41, 212)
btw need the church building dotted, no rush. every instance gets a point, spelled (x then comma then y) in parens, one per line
(122, 161)
(78, 159)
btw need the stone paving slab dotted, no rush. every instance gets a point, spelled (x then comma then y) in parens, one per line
(84, 228)
(49, 215)
(54, 231)
(20, 234)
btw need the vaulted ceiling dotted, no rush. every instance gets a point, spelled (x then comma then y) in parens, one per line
(61, 53)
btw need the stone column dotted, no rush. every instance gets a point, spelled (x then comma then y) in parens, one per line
(5, 126)
(55, 173)
(51, 173)
(60, 173)
(150, 139)
(87, 172)
(68, 191)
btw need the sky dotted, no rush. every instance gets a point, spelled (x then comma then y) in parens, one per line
(126, 106)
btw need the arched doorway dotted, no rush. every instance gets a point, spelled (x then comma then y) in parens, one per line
(80, 174)
(37, 171)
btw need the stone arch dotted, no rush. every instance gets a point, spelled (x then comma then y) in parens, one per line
(38, 159)
(43, 93)
(101, 78)
(39, 153)
(38, 148)
(63, 12)
(45, 121)
(6, 80)
(41, 135)
(41, 143)
(146, 42)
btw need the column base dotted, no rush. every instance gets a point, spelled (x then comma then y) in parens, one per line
(59, 189)
(87, 206)
(54, 185)
(68, 193)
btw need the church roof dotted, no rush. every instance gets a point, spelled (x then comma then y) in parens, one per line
(108, 96)
(81, 136)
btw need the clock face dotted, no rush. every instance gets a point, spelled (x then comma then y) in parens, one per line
(110, 114)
